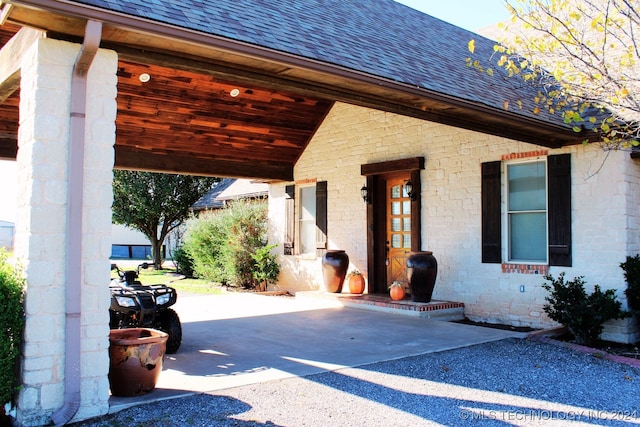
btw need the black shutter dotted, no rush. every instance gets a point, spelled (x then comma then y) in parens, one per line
(559, 210)
(290, 219)
(491, 215)
(321, 217)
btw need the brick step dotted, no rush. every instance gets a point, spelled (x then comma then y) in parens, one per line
(439, 310)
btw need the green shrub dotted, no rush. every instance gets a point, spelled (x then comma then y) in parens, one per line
(266, 268)
(584, 315)
(204, 239)
(223, 243)
(183, 261)
(631, 269)
(12, 286)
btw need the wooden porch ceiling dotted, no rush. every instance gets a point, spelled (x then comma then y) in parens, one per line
(184, 121)
(188, 122)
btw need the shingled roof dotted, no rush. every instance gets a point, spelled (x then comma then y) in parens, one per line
(210, 199)
(380, 38)
(239, 87)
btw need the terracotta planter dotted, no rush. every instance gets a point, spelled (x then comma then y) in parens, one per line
(422, 269)
(356, 283)
(135, 360)
(396, 292)
(334, 269)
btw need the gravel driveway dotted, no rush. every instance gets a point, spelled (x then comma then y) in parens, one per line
(510, 382)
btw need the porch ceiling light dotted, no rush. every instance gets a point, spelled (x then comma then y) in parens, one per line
(364, 192)
(144, 77)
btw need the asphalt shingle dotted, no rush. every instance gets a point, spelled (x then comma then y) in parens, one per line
(381, 38)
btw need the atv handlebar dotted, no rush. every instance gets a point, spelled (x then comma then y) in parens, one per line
(129, 275)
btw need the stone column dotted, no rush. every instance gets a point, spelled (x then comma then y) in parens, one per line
(41, 228)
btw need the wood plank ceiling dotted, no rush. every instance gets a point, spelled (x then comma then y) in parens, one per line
(187, 122)
(9, 107)
(195, 118)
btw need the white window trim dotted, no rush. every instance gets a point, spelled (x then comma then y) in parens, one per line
(506, 240)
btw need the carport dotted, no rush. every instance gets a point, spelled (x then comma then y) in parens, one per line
(86, 86)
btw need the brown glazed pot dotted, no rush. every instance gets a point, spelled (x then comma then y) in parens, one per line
(135, 360)
(422, 269)
(334, 269)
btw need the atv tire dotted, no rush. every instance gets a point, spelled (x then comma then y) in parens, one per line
(170, 323)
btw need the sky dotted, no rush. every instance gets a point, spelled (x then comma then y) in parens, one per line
(469, 14)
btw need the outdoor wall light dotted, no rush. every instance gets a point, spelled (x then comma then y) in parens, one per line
(364, 192)
(408, 187)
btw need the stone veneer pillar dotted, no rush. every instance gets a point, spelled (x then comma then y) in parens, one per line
(41, 230)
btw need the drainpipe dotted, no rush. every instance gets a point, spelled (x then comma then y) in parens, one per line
(73, 274)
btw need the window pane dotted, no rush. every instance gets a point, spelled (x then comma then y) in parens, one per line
(527, 189)
(307, 218)
(119, 251)
(308, 203)
(528, 237)
(395, 192)
(140, 252)
(395, 224)
(407, 241)
(395, 208)
(406, 208)
(407, 224)
(396, 240)
(307, 237)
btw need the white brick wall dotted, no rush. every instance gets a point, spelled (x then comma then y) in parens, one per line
(41, 226)
(605, 219)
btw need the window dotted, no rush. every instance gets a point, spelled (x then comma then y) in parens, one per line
(527, 212)
(537, 211)
(307, 220)
(310, 220)
(134, 251)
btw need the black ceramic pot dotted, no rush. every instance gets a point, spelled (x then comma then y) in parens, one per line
(422, 269)
(334, 269)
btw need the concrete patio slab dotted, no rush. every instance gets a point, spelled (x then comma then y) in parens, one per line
(240, 338)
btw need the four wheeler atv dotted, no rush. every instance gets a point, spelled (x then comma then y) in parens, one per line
(134, 305)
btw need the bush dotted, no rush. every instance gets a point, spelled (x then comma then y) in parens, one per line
(631, 269)
(12, 286)
(266, 267)
(582, 314)
(183, 261)
(223, 243)
(203, 241)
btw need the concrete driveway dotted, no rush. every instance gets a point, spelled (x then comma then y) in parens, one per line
(238, 339)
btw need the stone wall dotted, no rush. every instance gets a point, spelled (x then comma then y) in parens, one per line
(352, 136)
(41, 228)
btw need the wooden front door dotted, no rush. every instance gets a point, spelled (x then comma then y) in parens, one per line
(398, 229)
(393, 219)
